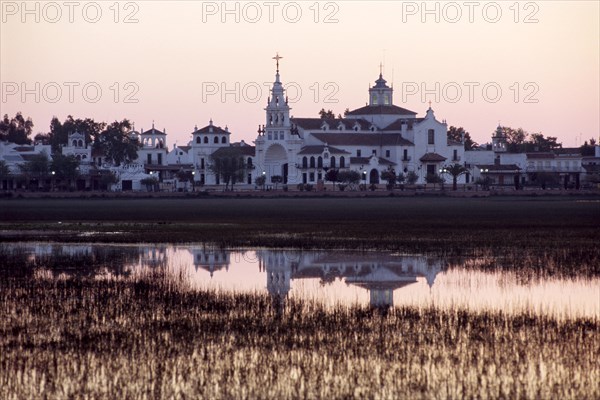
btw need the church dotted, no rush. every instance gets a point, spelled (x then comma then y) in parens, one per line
(369, 140)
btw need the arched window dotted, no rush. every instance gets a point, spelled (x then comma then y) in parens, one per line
(304, 162)
(312, 162)
(320, 162)
(216, 139)
(342, 162)
(205, 139)
(74, 143)
(78, 157)
(249, 161)
(332, 163)
(224, 139)
(80, 143)
(198, 139)
(83, 157)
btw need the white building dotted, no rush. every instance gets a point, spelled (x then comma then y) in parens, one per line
(369, 140)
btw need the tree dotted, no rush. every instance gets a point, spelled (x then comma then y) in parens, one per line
(276, 179)
(456, 134)
(389, 175)
(544, 179)
(412, 177)
(541, 143)
(401, 178)
(260, 181)
(434, 178)
(107, 179)
(455, 171)
(348, 177)
(150, 182)
(16, 130)
(4, 171)
(65, 167)
(515, 138)
(485, 182)
(59, 132)
(228, 163)
(38, 167)
(185, 177)
(117, 144)
(588, 149)
(332, 176)
(329, 114)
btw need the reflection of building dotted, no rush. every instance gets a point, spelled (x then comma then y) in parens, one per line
(155, 256)
(380, 274)
(210, 260)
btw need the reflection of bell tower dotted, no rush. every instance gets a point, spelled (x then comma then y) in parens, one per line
(279, 275)
(154, 257)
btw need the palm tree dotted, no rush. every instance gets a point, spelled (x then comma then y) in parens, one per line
(455, 171)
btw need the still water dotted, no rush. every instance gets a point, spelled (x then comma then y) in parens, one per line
(330, 277)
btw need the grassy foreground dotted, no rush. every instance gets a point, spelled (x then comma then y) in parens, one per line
(152, 338)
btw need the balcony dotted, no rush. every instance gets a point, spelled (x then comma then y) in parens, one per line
(546, 168)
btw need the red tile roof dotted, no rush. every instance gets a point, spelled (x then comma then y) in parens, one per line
(378, 110)
(362, 139)
(432, 157)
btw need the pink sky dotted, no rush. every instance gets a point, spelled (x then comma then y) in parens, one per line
(543, 56)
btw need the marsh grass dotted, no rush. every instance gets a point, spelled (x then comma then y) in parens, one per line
(150, 336)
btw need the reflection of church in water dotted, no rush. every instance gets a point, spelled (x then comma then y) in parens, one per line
(380, 274)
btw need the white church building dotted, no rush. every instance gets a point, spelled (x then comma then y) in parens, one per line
(369, 140)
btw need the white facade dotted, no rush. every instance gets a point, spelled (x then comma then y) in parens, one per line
(368, 140)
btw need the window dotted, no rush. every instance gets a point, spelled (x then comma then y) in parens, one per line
(374, 152)
(320, 162)
(198, 140)
(386, 99)
(431, 136)
(224, 139)
(216, 140)
(405, 155)
(374, 99)
(455, 155)
(311, 177)
(159, 159)
(250, 162)
(430, 169)
(205, 139)
(319, 176)
(304, 162)
(387, 154)
(312, 164)
(202, 163)
(332, 162)
(149, 158)
(358, 153)
(342, 162)
(74, 143)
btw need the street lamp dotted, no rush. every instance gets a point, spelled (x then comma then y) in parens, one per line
(193, 181)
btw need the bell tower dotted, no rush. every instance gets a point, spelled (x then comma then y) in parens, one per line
(381, 94)
(278, 110)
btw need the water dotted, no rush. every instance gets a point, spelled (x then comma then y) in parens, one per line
(330, 277)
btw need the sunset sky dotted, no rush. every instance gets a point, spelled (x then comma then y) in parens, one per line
(175, 59)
